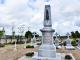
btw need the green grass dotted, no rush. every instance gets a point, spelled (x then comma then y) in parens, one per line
(40, 36)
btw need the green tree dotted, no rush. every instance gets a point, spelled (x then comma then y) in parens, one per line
(77, 34)
(28, 34)
(73, 34)
(1, 33)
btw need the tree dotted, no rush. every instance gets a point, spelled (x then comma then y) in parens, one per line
(77, 34)
(28, 34)
(37, 36)
(73, 34)
(1, 33)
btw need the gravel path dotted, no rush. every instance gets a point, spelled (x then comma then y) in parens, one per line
(7, 53)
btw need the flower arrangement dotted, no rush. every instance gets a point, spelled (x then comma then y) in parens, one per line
(68, 57)
(29, 54)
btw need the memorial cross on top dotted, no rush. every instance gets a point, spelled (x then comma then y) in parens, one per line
(34, 34)
(56, 35)
(68, 34)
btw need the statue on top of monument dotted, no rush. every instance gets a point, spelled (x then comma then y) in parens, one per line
(47, 15)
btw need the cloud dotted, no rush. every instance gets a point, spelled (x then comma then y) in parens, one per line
(65, 15)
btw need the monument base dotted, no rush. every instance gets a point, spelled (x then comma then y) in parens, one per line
(47, 51)
(56, 44)
(15, 49)
(59, 47)
(35, 45)
(69, 47)
(36, 57)
(24, 46)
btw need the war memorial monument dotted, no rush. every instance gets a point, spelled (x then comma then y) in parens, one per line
(47, 50)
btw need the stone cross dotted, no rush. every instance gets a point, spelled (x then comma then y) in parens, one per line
(34, 35)
(68, 34)
(56, 35)
(25, 44)
(15, 47)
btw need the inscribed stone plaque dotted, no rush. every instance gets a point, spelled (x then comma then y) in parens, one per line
(47, 38)
(68, 42)
(56, 41)
(34, 41)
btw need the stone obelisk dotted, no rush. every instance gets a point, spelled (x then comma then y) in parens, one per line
(47, 49)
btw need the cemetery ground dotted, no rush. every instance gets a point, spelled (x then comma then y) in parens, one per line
(7, 53)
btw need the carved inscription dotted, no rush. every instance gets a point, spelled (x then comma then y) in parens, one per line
(68, 42)
(47, 38)
(34, 41)
(56, 41)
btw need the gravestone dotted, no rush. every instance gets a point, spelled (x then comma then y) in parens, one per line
(34, 40)
(25, 44)
(47, 50)
(68, 40)
(69, 46)
(56, 40)
(15, 47)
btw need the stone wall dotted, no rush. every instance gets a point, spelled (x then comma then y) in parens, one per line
(7, 40)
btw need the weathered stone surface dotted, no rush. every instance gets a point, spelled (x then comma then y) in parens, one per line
(47, 38)
(47, 49)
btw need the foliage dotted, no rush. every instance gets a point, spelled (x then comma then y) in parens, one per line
(68, 57)
(2, 45)
(28, 34)
(75, 34)
(36, 35)
(73, 42)
(40, 36)
(63, 36)
(28, 46)
(30, 54)
(32, 46)
(72, 49)
(57, 48)
(1, 33)
(70, 37)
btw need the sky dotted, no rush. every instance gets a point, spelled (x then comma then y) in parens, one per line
(65, 15)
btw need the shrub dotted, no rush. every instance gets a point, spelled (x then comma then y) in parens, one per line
(68, 57)
(32, 46)
(28, 46)
(73, 42)
(30, 54)
(72, 49)
(2, 45)
(57, 48)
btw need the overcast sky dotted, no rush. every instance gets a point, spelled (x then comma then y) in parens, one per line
(65, 15)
